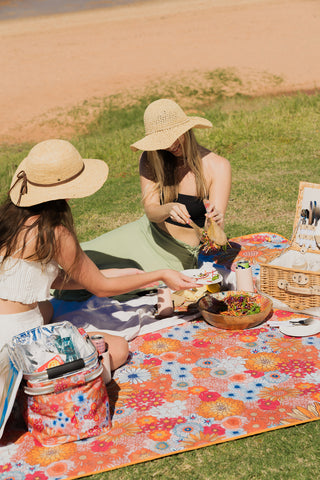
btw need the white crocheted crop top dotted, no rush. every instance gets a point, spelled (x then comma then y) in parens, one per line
(26, 281)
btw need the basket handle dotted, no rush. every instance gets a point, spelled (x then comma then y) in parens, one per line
(285, 285)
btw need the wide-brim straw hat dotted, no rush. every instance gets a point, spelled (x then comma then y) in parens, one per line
(164, 122)
(55, 170)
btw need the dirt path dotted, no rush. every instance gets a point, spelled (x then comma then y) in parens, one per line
(57, 62)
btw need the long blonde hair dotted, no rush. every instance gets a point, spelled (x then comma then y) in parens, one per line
(163, 170)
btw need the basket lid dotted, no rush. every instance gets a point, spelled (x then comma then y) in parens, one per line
(306, 228)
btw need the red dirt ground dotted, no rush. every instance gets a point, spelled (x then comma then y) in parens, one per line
(51, 64)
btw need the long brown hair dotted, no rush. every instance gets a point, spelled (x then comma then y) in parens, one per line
(163, 169)
(14, 225)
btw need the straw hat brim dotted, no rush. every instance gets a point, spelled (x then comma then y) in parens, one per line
(91, 179)
(165, 138)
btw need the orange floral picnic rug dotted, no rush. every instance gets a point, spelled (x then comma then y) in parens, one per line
(186, 387)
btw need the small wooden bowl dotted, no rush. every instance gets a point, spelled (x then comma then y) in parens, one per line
(234, 322)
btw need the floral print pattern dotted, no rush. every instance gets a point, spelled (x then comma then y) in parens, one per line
(185, 388)
(69, 414)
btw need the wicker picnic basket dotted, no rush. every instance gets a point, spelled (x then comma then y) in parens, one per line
(298, 286)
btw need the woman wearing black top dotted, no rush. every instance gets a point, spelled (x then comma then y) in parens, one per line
(177, 175)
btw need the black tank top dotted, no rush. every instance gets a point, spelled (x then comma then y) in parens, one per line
(195, 208)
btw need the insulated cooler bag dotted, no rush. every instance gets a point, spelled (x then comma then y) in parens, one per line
(65, 397)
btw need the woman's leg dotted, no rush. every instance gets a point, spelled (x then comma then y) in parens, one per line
(118, 348)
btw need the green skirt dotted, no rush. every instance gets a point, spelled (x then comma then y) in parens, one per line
(140, 244)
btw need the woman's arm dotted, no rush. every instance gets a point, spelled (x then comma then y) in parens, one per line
(69, 284)
(218, 172)
(85, 274)
(63, 283)
(156, 212)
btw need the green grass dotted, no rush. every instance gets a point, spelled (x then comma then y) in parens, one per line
(286, 454)
(272, 144)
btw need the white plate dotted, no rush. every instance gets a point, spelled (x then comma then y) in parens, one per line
(204, 277)
(312, 328)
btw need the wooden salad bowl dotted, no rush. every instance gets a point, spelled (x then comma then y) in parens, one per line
(234, 322)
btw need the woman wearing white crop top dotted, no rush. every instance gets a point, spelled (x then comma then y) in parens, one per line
(39, 249)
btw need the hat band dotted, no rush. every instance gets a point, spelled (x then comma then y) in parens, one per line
(22, 176)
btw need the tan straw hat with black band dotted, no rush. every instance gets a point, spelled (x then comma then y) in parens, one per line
(55, 170)
(164, 122)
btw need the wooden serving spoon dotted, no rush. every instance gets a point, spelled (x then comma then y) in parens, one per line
(215, 233)
(196, 228)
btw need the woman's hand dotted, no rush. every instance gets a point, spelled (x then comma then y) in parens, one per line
(214, 213)
(178, 281)
(178, 212)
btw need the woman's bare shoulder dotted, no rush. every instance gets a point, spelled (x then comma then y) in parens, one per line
(63, 235)
(213, 160)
